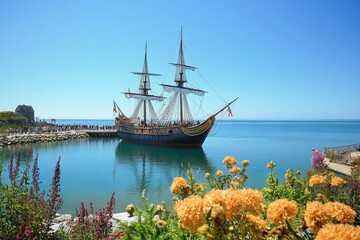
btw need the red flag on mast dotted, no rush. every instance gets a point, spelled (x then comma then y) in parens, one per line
(229, 112)
(114, 108)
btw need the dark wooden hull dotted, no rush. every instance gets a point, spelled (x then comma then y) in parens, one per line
(172, 135)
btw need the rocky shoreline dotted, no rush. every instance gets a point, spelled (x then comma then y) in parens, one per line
(42, 137)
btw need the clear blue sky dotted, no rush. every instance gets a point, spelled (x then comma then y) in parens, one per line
(283, 59)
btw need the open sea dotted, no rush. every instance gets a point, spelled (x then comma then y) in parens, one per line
(92, 169)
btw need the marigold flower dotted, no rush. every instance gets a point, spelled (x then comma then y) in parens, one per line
(243, 201)
(258, 224)
(234, 203)
(213, 201)
(177, 185)
(271, 164)
(229, 160)
(245, 163)
(235, 170)
(218, 173)
(317, 179)
(341, 212)
(315, 215)
(254, 200)
(281, 210)
(190, 213)
(339, 232)
(337, 181)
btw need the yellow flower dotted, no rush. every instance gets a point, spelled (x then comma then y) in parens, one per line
(281, 210)
(288, 173)
(317, 179)
(178, 184)
(162, 223)
(207, 175)
(341, 212)
(229, 160)
(203, 230)
(219, 173)
(245, 163)
(190, 213)
(258, 224)
(337, 181)
(271, 164)
(339, 232)
(130, 209)
(315, 216)
(235, 170)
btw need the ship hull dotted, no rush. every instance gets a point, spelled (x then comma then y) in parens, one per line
(171, 136)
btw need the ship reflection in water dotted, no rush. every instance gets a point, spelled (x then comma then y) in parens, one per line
(153, 168)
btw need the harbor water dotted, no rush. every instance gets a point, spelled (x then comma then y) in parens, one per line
(92, 169)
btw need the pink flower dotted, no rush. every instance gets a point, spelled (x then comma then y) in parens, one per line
(317, 158)
(27, 231)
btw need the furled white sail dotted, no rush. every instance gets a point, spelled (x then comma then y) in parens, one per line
(143, 97)
(184, 90)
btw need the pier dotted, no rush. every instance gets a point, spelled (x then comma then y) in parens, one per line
(102, 133)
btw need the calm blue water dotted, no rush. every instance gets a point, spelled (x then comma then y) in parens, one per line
(91, 169)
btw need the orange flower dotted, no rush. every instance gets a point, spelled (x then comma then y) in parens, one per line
(243, 201)
(219, 173)
(190, 213)
(317, 179)
(315, 215)
(213, 201)
(281, 210)
(258, 224)
(339, 232)
(337, 181)
(178, 184)
(233, 203)
(229, 160)
(235, 170)
(254, 200)
(341, 212)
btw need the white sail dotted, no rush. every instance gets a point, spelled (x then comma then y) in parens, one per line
(183, 90)
(143, 97)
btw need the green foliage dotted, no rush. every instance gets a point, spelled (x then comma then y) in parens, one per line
(9, 117)
(294, 189)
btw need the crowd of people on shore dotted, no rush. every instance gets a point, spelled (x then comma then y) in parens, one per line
(58, 128)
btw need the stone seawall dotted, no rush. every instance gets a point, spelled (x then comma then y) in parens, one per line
(41, 137)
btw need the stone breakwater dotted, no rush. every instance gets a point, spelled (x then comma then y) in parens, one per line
(41, 137)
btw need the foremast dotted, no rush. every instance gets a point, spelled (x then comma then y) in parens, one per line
(143, 95)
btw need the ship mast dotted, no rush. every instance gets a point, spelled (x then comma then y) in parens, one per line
(144, 89)
(179, 89)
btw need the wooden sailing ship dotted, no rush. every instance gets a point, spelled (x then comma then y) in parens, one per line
(176, 125)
